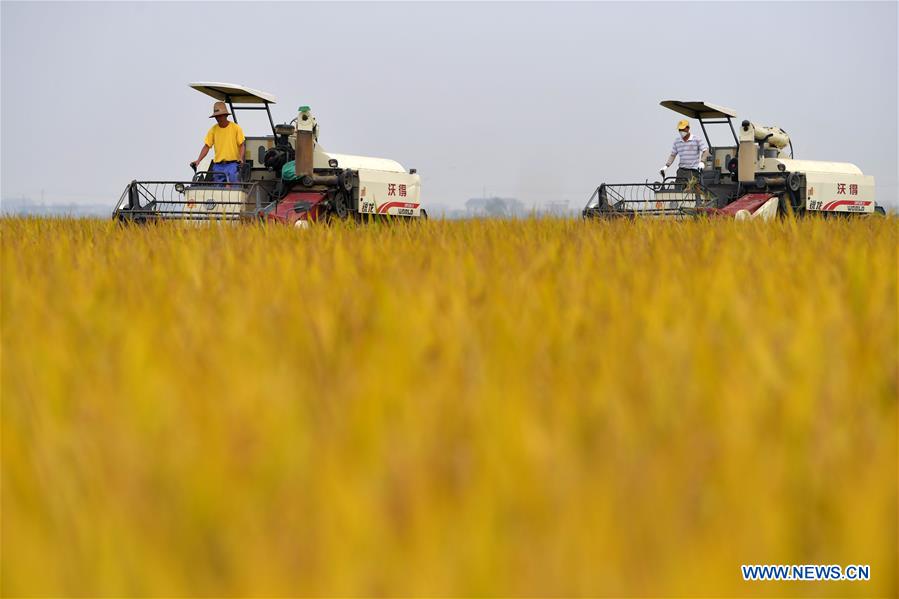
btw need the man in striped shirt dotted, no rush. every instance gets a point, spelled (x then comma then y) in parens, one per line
(691, 152)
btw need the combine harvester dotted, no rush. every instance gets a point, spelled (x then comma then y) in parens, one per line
(325, 186)
(755, 177)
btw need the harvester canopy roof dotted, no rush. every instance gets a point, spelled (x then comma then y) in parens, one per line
(699, 110)
(231, 92)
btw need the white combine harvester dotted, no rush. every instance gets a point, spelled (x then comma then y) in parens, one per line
(326, 185)
(756, 176)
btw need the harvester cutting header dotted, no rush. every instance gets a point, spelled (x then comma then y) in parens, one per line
(284, 177)
(757, 176)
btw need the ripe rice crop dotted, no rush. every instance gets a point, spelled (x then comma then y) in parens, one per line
(490, 408)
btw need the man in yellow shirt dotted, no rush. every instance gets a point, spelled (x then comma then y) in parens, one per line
(228, 140)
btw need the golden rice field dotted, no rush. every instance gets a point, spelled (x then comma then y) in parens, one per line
(488, 408)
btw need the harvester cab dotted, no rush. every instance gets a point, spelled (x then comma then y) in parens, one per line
(286, 177)
(755, 176)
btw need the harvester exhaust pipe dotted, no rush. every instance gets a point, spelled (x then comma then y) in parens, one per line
(747, 154)
(305, 142)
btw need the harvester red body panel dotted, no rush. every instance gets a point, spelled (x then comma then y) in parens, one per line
(298, 206)
(749, 202)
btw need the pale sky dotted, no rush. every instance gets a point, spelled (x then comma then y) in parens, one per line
(539, 101)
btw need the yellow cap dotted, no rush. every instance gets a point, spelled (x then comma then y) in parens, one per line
(683, 124)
